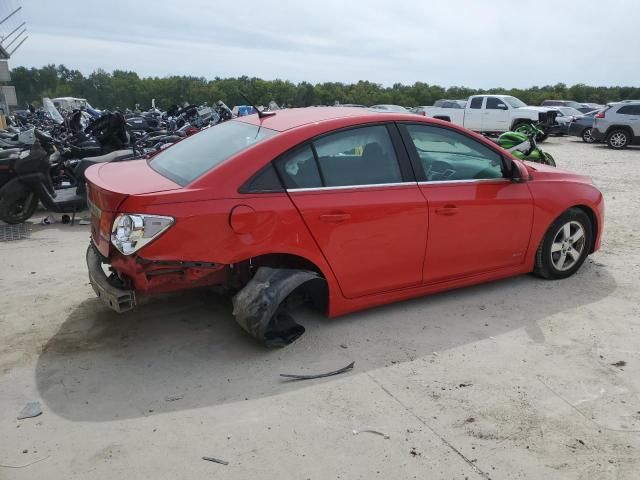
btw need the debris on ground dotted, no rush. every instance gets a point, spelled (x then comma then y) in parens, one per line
(375, 432)
(462, 385)
(215, 460)
(173, 398)
(318, 375)
(6, 465)
(470, 420)
(342, 345)
(30, 410)
(620, 363)
(414, 452)
(48, 220)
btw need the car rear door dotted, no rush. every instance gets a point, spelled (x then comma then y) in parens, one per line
(355, 190)
(479, 221)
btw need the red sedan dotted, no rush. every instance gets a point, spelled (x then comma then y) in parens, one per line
(345, 207)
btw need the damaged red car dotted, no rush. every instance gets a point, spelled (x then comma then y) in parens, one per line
(346, 208)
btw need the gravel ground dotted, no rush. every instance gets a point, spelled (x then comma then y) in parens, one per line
(517, 379)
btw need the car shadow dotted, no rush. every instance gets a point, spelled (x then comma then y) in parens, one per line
(185, 351)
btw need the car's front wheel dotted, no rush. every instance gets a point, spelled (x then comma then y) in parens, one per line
(618, 139)
(565, 245)
(587, 137)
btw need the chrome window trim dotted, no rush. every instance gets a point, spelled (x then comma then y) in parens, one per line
(344, 187)
(471, 180)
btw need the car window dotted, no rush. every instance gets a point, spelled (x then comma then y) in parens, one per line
(629, 110)
(298, 169)
(493, 102)
(188, 159)
(360, 156)
(446, 155)
(476, 103)
(265, 181)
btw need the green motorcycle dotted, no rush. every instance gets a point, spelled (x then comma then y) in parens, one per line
(522, 144)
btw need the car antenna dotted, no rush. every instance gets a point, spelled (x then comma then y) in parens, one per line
(261, 114)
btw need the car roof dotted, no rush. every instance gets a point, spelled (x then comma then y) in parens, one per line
(289, 118)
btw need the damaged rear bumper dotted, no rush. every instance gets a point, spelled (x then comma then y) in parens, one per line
(118, 299)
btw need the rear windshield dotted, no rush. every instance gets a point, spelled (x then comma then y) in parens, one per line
(190, 158)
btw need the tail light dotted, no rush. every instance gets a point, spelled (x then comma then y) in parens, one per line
(599, 115)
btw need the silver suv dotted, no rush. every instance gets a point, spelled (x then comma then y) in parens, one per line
(618, 124)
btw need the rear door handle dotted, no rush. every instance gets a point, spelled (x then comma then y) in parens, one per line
(335, 217)
(447, 210)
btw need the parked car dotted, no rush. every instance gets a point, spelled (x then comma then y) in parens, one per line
(561, 103)
(581, 126)
(496, 114)
(618, 125)
(390, 108)
(344, 207)
(564, 118)
(590, 107)
(450, 103)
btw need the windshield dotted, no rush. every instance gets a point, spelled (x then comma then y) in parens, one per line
(190, 158)
(53, 112)
(514, 102)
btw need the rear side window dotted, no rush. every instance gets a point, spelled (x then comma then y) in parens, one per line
(190, 158)
(265, 181)
(360, 156)
(298, 169)
(630, 110)
(476, 103)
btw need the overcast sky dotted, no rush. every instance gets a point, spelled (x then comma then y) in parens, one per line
(454, 42)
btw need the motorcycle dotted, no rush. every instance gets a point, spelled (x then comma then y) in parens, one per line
(34, 175)
(522, 144)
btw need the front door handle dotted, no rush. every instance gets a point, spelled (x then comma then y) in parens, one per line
(447, 210)
(335, 217)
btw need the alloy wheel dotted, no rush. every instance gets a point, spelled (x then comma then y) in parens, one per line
(568, 245)
(618, 139)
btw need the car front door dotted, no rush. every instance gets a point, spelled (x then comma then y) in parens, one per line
(479, 220)
(355, 190)
(496, 116)
(473, 114)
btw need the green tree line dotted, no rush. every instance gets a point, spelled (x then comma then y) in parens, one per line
(124, 89)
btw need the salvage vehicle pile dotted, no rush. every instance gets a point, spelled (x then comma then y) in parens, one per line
(44, 155)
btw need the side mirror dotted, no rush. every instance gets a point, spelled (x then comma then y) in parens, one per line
(513, 171)
(502, 106)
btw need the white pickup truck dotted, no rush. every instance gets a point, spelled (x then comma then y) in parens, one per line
(495, 114)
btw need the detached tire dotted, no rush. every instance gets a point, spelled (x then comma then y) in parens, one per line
(618, 139)
(565, 246)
